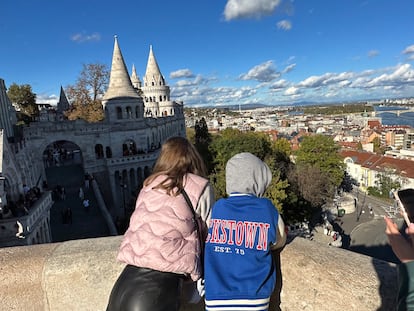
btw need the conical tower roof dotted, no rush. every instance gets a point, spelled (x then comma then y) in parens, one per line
(153, 72)
(119, 82)
(136, 82)
(7, 112)
(63, 103)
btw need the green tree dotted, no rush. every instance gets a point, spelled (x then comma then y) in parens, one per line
(321, 151)
(385, 183)
(277, 188)
(230, 142)
(282, 146)
(281, 152)
(378, 148)
(202, 140)
(312, 184)
(318, 172)
(190, 133)
(87, 92)
(24, 98)
(301, 203)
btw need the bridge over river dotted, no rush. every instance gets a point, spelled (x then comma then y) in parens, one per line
(396, 110)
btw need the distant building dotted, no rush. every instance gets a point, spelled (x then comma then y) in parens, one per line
(365, 167)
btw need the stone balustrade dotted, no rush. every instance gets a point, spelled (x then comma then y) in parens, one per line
(78, 275)
(35, 225)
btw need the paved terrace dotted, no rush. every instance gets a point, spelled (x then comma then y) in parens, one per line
(79, 274)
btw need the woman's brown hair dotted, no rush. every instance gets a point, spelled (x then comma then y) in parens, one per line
(177, 158)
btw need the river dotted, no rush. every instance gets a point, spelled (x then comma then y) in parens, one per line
(389, 118)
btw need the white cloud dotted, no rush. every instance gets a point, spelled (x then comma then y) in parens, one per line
(181, 73)
(325, 79)
(236, 9)
(403, 74)
(279, 85)
(288, 68)
(284, 25)
(81, 37)
(291, 91)
(47, 99)
(408, 50)
(264, 72)
(198, 80)
(268, 89)
(373, 53)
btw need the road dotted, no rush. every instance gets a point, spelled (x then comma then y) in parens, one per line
(364, 230)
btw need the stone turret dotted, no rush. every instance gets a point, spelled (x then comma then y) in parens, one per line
(156, 92)
(121, 101)
(120, 84)
(63, 103)
(136, 82)
(8, 116)
(153, 76)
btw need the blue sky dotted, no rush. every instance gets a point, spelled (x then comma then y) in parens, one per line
(218, 52)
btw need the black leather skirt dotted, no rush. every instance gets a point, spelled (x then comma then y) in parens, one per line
(142, 289)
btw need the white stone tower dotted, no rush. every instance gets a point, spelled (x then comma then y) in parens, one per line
(121, 101)
(156, 92)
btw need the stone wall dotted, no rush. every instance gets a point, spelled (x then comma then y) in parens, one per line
(78, 275)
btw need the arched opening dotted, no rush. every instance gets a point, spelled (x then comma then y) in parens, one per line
(129, 112)
(129, 148)
(119, 113)
(62, 153)
(99, 153)
(108, 152)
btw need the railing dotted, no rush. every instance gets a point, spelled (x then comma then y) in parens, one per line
(138, 158)
(29, 222)
(79, 275)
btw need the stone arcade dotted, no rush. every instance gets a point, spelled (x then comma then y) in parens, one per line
(118, 151)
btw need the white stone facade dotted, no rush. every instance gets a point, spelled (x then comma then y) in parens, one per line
(118, 151)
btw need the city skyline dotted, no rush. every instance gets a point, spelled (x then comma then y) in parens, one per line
(219, 53)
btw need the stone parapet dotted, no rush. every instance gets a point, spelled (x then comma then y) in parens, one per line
(78, 275)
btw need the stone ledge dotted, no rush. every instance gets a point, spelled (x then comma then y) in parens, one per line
(78, 275)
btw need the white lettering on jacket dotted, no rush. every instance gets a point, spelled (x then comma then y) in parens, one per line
(230, 232)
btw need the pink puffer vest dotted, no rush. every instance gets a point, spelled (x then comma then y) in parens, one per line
(161, 233)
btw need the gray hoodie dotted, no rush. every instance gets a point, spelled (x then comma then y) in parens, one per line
(246, 173)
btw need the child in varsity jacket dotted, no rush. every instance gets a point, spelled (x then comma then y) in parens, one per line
(243, 230)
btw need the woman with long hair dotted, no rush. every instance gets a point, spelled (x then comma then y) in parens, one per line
(161, 246)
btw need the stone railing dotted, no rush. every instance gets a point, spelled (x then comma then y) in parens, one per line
(78, 275)
(34, 224)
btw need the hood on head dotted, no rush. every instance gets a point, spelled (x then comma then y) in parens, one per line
(246, 173)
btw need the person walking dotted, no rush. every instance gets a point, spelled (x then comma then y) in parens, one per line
(161, 247)
(86, 204)
(81, 194)
(62, 193)
(87, 181)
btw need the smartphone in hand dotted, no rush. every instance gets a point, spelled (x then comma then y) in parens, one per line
(405, 200)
